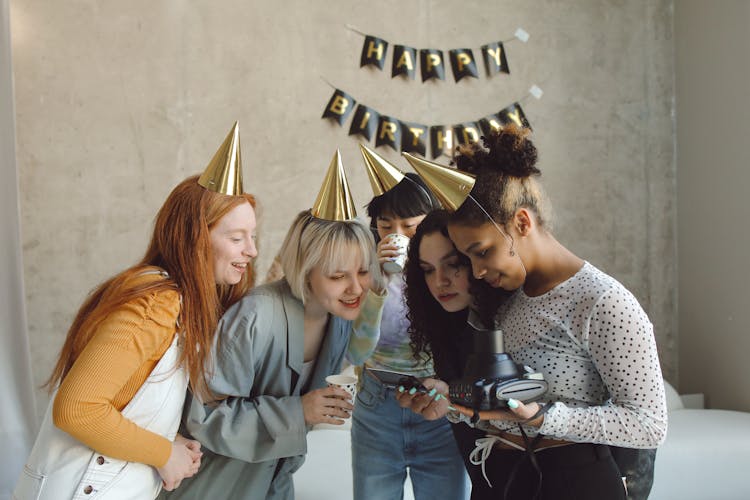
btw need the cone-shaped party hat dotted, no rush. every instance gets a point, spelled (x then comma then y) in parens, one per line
(383, 175)
(334, 201)
(451, 186)
(224, 172)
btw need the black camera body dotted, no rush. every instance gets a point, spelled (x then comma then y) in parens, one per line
(491, 377)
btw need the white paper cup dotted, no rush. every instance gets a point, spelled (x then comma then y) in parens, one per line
(346, 382)
(396, 264)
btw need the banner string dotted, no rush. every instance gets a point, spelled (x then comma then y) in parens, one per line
(352, 28)
(534, 91)
(329, 83)
(518, 101)
(522, 99)
(511, 39)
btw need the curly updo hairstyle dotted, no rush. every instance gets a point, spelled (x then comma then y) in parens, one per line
(506, 172)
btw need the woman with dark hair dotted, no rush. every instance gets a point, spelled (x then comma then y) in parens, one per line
(387, 440)
(579, 327)
(438, 295)
(429, 320)
(436, 324)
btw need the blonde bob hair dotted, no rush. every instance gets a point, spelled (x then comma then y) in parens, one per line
(328, 245)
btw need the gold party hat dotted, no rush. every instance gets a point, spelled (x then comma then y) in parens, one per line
(334, 201)
(383, 176)
(451, 186)
(224, 172)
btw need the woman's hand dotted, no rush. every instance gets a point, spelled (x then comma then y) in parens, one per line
(432, 404)
(386, 251)
(184, 461)
(516, 412)
(330, 405)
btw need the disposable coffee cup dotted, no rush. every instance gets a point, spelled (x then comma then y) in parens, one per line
(396, 264)
(346, 382)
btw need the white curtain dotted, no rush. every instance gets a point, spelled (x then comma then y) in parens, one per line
(17, 414)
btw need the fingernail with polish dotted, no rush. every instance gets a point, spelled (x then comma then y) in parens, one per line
(432, 392)
(512, 403)
(439, 397)
(401, 388)
(412, 390)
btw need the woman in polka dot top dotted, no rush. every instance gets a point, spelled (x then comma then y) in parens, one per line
(570, 321)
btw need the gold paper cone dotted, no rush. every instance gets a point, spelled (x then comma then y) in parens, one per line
(450, 186)
(224, 172)
(383, 175)
(334, 200)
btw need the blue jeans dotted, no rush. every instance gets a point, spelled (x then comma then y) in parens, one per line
(387, 440)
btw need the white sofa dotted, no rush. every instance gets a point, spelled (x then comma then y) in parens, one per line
(705, 457)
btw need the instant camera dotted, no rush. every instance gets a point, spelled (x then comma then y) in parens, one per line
(491, 377)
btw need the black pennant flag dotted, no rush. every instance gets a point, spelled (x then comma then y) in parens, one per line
(404, 61)
(432, 64)
(414, 138)
(441, 139)
(514, 114)
(490, 123)
(494, 58)
(467, 133)
(463, 63)
(373, 52)
(389, 132)
(339, 107)
(365, 122)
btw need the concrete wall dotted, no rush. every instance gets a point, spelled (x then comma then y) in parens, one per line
(118, 101)
(713, 111)
(18, 415)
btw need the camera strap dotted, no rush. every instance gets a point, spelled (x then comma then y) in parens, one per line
(474, 416)
(543, 408)
(530, 453)
(531, 456)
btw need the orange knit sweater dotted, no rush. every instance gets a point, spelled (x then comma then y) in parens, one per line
(112, 367)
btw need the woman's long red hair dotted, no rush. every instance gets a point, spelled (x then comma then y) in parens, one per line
(180, 245)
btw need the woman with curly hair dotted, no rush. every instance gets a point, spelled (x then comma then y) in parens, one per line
(438, 295)
(576, 325)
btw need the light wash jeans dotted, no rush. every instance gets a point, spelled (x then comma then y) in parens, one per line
(387, 440)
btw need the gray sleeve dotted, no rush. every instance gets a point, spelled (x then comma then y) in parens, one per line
(248, 427)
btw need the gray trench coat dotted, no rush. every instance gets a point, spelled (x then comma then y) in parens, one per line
(255, 439)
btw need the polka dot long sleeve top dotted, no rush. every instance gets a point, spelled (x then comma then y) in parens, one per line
(595, 346)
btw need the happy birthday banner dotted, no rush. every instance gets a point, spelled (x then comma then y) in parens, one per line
(413, 137)
(432, 62)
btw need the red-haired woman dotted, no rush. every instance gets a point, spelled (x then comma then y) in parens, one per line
(111, 430)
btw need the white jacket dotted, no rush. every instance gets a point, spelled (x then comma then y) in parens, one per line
(61, 467)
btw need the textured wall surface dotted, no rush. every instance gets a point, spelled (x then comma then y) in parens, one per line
(713, 75)
(118, 101)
